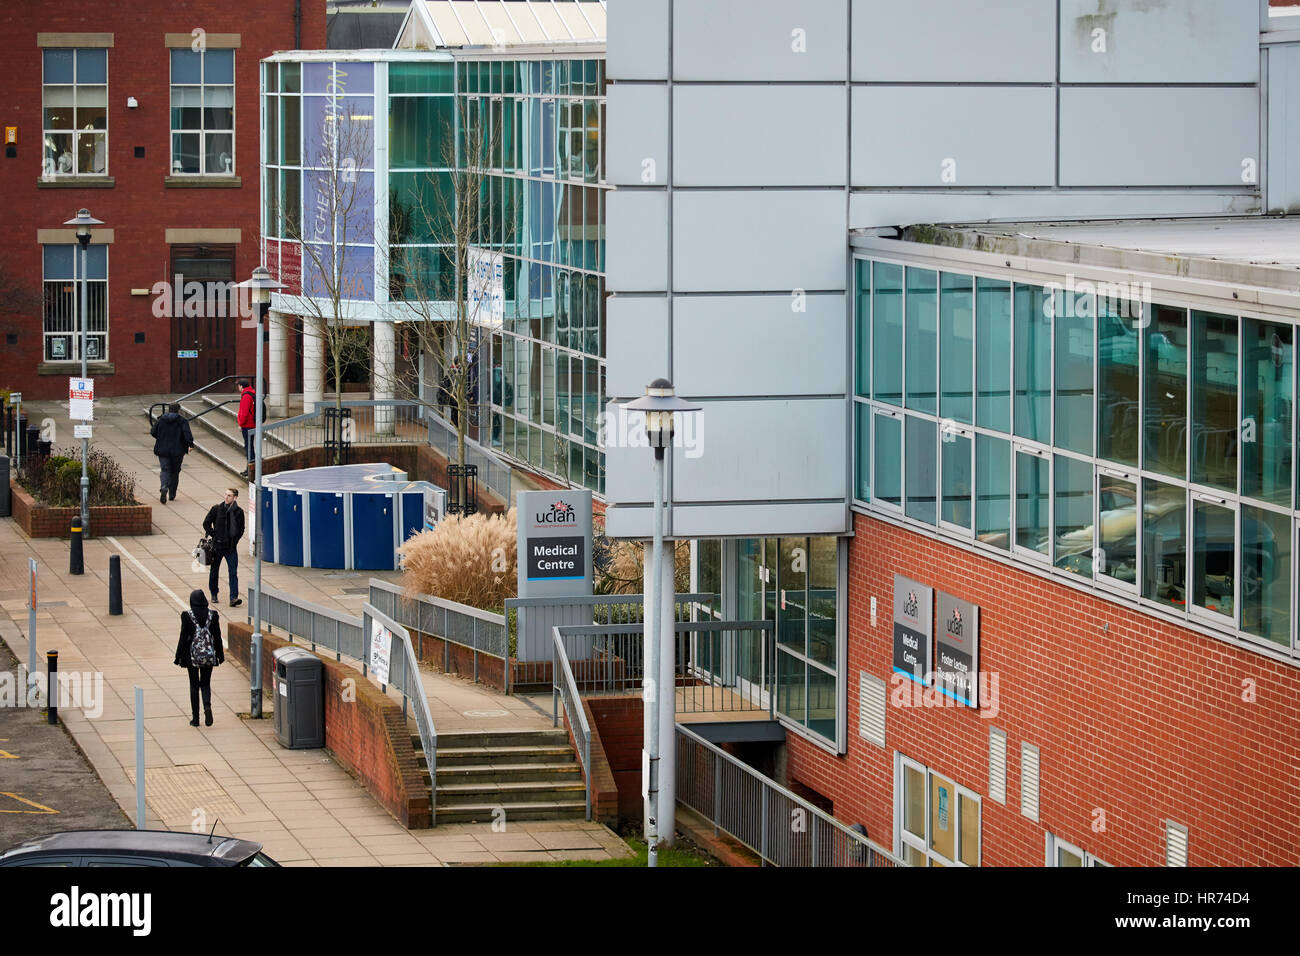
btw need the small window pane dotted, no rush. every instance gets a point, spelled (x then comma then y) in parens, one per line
(970, 830)
(1214, 400)
(956, 461)
(187, 107)
(187, 66)
(922, 471)
(1164, 543)
(887, 330)
(1117, 521)
(862, 340)
(922, 339)
(92, 66)
(1074, 321)
(823, 585)
(1033, 363)
(1118, 421)
(1032, 494)
(58, 65)
(956, 347)
(1266, 574)
(822, 702)
(219, 66)
(219, 107)
(993, 491)
(1267, 408)
(943, 817)
(993, 354)
(889, 460)
(1165, 380)
(862, 471)
(219, 157)
(58, 262)
(914, 801)
(1073, 504)
(1214, 557)
(185, 152)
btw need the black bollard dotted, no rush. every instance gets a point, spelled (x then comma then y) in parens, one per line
(114, 584)
(75, 564)
(52, 687)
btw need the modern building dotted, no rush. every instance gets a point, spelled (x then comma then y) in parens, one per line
(359, 185)
(146, 114)
(991, 311)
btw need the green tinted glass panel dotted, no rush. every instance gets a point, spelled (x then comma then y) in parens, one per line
(1117, 529)
(862, 456)
(1032, 363)
(993, 491)
(420, 207)
(1267, 408)
(862, 324)
(1164, 410)
(1073, 508)
(420, 78)
(956, 347)
(419, 131)
(1266, 574)
(1118, 415)
(921, 470)
(823, 585)
(1214, 557)
(887, 333)
(1164, 543)
(993, 354)
(889, 460)
(1214, 400)
(922, 339)
(1032, 495)
(1074, 330)
(955, 452)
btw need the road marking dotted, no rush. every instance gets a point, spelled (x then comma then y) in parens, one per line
(4, 754)
(184, 605)
(40, 808)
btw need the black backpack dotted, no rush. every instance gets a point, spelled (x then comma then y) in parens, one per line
(202, 651)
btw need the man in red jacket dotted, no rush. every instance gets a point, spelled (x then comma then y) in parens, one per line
(248, 422)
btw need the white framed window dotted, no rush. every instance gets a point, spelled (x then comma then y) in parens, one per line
(203, 112)
(62, 275)
(1061, 853)
(936, 821)
(74, 100)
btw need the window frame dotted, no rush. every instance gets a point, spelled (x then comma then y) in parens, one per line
(1055, 844)
(904, 839)
(203, 132)
(49, 169)
(74, 335)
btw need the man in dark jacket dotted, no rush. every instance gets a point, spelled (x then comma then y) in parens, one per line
(225, 523)
(172, 441)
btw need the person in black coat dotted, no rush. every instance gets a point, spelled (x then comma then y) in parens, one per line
(172, 441)
(192, 621)
(225, 523)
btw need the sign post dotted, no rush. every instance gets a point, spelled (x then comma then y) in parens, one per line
(81, 405)
(31, 616)
(554, 558)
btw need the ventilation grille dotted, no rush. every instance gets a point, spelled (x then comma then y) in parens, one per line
(1175, 844)
(1029, 781)
(997, 765)
(871, 708)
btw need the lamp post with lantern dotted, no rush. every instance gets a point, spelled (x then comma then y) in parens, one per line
(83, 223)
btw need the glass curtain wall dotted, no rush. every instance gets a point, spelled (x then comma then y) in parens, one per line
(1144, 447)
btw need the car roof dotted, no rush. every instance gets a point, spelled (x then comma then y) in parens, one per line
(141, 843)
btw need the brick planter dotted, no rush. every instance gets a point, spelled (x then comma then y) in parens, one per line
(41, 521)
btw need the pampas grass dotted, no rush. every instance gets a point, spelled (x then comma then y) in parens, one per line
(467, 560)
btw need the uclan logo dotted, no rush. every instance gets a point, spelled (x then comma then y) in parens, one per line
(911, 607)
(954, 623)
(560, 513)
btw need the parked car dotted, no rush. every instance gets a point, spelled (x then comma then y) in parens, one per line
(135, 848)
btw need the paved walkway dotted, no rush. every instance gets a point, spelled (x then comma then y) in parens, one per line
(301, 805)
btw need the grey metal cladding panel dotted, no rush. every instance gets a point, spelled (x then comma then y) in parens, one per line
(636, 44)
(636, 151)
(636, 236)
(758, 345)
(758, 135)
(760, 40)
(703, 521)
(950, 136)
(629, 473)
(758, 240)
(763, 451)
(1283, 170)
(1158, 137)
(636, 346)
(954, 40)
(1188, 41)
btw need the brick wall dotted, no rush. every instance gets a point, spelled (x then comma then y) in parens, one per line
(622, 733)
(39, 521)
(451, 658)
(1136, 719)
(604, 791)
(138, 206)
(367, 735)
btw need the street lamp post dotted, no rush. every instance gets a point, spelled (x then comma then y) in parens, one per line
(659, 404)
(83, 221)
(260, 285)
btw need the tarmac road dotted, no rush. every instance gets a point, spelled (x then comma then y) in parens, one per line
(46, 785)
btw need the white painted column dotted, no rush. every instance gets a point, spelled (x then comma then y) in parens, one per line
(313, 362)
(383, 362)
(278, 373)
(667, 698)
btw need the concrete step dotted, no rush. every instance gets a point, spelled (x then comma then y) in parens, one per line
(471, 756)
(506, 738)
(518, 812)
(473, 794)
(509, 773)
(272, 443)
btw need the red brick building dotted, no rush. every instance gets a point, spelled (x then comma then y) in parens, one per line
(147, 115)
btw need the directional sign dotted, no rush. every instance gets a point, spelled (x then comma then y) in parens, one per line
(81, 398)
(187, 353)
(82, 431)
(15, 397)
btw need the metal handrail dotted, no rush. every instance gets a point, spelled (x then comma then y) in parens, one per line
(500, 487)
(780, 851)
(568, 695)
(197, 391)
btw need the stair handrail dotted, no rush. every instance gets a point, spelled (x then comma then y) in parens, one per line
(197, 391)
(567, 694)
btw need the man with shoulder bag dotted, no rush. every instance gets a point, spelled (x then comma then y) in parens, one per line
(225, 525)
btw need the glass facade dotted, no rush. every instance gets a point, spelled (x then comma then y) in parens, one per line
(1146, 448)
(538, 125)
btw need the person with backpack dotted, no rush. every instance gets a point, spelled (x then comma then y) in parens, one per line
(172, 442)
(224, 524)
(199, 650)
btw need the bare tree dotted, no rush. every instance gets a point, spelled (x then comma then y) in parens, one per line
(336, 236)
(457, 208)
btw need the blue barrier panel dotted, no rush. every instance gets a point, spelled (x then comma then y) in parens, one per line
(326, 529)
(372, 532)
(266, 526)
(288, 526)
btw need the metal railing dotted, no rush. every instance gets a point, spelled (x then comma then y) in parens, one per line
(199, 391)
(566, 692)
(712, 659)
(493, 473)
(480, 631)
(369, 422)
(783, 829)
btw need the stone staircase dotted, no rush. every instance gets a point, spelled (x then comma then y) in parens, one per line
(530, 774)
(217, 434)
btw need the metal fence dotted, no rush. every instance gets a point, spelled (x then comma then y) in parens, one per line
(482, 632)
(368, 422)
(493, 473)
(781, 828)
(566, 693)
(712, 659)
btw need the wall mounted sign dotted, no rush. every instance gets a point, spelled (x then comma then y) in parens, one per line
(913, 619)
(957, 654)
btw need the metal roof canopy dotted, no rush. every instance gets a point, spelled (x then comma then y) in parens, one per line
(499, 24)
